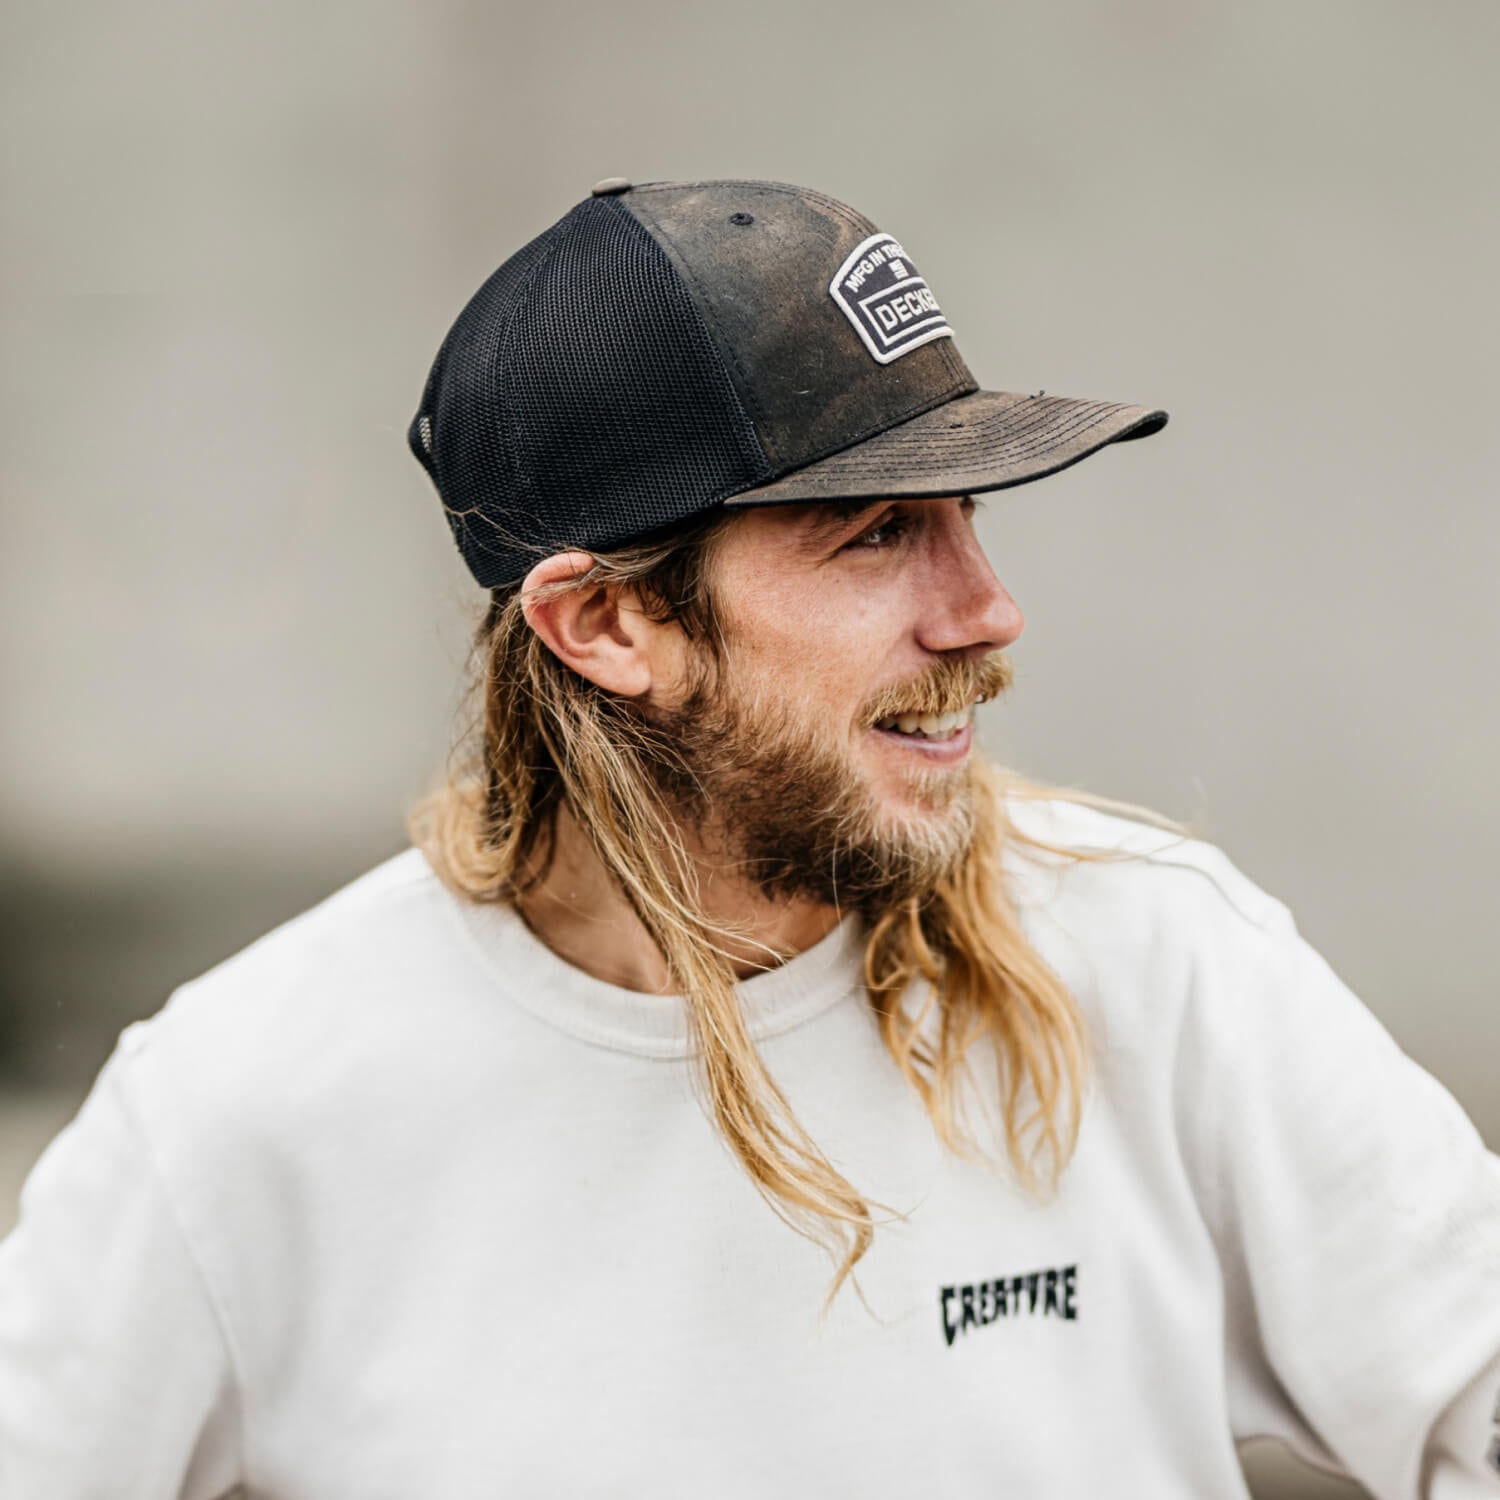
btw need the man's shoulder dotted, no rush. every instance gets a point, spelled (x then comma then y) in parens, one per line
(1158, 934)
(359, 952)
(1098, 862)
(319, 1044)
(391, 904)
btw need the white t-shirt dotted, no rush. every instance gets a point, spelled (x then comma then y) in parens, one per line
(396, 1203)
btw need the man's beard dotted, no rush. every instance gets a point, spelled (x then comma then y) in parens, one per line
(765, 788)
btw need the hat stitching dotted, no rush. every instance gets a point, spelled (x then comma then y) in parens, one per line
(1045, 437)
(1022, 442)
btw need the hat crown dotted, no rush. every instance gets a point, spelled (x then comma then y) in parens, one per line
(666, 349)
(656, 351)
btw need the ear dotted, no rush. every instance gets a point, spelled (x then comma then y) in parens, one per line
(589, 629)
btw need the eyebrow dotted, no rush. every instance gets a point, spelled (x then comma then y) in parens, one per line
(832, 516)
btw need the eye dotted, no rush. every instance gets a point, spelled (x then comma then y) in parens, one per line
(886, 532)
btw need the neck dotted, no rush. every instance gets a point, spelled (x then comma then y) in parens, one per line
(580, 912)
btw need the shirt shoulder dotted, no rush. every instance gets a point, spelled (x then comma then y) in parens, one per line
(1108, 871)
(384, 907)
(302, 1062)
(350, 973)
(1176, 958)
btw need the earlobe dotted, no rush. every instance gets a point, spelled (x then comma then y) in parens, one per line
(586, 627)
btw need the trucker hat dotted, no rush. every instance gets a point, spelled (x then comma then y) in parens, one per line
(669, 348)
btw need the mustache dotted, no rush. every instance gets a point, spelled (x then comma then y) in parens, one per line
(944, 688)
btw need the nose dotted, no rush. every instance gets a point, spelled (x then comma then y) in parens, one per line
(968, 610)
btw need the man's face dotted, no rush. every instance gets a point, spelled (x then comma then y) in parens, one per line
(839, 624)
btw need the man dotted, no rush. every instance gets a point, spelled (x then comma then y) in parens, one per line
(745, 1089)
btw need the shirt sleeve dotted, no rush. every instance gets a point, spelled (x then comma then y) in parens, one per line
(1357, 1214)
(115, 1380)
(1463, 1453)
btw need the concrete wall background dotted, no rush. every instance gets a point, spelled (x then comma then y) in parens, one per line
(231, 629)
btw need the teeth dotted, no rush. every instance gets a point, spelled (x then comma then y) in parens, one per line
(931, 726)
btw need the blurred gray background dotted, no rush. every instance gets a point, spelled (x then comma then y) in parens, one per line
(233, 627)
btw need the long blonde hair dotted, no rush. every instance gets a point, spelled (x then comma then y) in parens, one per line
(545, 736)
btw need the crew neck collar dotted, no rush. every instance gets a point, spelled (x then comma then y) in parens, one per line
(606, 1015)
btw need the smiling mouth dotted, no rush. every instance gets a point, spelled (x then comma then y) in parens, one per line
(927, 726)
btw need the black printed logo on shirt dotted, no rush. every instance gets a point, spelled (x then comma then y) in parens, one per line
(892, 308)
(1036, 1294)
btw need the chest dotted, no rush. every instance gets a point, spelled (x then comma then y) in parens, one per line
(619, 1309)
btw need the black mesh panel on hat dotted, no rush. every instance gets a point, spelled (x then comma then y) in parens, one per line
(458, 377)
(579, 401)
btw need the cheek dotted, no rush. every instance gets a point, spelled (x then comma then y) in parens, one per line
(824, 638)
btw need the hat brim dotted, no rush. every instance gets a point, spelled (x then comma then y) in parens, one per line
(988, 440)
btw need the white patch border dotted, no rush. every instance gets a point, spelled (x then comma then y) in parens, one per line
(881, 356)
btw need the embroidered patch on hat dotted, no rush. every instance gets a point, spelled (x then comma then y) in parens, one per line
(892, 308)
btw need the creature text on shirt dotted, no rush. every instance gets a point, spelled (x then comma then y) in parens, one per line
(984, 1302)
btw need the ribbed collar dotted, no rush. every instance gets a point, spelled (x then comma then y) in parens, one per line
(605, 1015)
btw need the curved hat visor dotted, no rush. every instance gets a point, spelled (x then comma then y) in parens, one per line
(985, 441)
